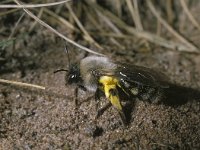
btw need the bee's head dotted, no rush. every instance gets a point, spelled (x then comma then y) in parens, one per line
(73, 75)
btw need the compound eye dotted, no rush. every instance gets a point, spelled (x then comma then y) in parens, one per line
(73, 79)
(73, 76)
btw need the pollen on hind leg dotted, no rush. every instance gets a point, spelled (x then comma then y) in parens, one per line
(114, 99)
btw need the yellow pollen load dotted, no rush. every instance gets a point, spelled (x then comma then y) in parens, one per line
(109, 84)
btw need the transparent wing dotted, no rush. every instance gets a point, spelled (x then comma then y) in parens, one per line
(137, 75)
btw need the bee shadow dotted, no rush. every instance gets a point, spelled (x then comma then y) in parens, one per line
(177, 95)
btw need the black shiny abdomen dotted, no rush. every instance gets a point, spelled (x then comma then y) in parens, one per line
(150, 94)
(142, 92)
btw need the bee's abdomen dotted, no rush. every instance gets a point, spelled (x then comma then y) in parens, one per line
(150, 94)
(142, 92)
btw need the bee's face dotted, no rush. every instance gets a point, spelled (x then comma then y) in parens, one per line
(73, 75)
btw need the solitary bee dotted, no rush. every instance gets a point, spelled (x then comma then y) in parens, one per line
(101, 74)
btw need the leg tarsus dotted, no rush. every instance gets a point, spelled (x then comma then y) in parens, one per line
(123, 117)
(76, 96)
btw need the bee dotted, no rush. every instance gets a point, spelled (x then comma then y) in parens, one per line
(101, 74)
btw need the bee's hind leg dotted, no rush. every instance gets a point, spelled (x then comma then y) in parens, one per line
(113, 95)
(103, 109)
(123, 117)
(108, 105)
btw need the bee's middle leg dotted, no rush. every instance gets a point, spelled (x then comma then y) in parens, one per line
(76, 93)
(101, 110)
(97, 98)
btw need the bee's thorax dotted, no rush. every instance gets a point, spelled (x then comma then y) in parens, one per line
(89, 70)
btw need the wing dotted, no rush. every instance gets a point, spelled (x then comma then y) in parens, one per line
(137, 75)
(142, 75)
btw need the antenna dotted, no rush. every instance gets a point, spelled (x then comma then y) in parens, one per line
(59, 70)
(67, 51)
(65, 70)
